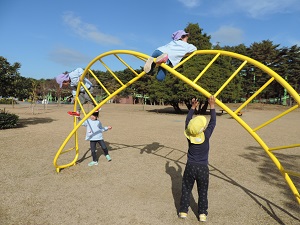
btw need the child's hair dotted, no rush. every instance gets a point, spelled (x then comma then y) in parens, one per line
(96, 114)
(183, 36)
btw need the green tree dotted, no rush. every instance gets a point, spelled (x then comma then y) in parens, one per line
(268, 54)
(9, 75)
(22, 88)
(292, 62)
(197, 37)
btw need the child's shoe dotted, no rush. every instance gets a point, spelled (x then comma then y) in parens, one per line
(203, 217)
(93, 163)
(76, 114)
(108, 158)
(149, 65)
(182, 215)
(163, 58)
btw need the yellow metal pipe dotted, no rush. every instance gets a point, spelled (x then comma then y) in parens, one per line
(217, 53)
(256, 137)
(293, 173)
(284, 147)
(111, 72)
(68, 150)
(276, 117)
(129, 67)
(206, 68)
(230, 78)
(253, 96)
(99, 82)
(80, 123)
(292, 187)
(264, 68)
(189, 56)
(89, 93)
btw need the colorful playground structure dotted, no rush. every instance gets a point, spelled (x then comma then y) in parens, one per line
(70, 144)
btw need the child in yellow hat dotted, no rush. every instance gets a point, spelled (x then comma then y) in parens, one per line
(196, 169)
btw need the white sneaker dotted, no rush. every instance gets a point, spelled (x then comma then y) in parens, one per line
(108, 158)
(93, 163)
(148, 65)
(182, 215)
(203, 217)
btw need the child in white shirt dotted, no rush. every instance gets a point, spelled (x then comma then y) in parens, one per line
(171, 53)
(94, 130)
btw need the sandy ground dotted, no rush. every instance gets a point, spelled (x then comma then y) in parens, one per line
(142, 183)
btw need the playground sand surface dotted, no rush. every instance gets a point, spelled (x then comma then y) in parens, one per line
(142, 183)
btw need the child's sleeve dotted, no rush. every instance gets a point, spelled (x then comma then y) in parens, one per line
(84, 123)
(105, 129)
(102, 129)
(212, 123)
(189, 117)
(191, 48)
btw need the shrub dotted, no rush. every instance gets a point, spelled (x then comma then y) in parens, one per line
(8, 120)
(7, 101)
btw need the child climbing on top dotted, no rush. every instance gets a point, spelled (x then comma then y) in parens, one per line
(171, 54)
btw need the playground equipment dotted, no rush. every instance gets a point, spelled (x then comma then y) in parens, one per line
(243, 60)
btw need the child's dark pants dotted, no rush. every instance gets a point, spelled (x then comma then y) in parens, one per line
(93, 148)
(199, 173)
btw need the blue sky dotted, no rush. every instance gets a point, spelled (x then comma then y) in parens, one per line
(49, 37)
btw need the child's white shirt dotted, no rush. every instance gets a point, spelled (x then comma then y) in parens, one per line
(94, 130)
(176, 50)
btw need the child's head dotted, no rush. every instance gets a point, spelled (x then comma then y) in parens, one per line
(195, 130)
(179, 35)
(63, 79)
(184, 38)
(95, 115)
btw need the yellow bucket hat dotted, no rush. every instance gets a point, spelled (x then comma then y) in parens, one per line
(194, 131)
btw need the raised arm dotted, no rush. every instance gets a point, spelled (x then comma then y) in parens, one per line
(189, 116)
(212, 122)
(211, 102)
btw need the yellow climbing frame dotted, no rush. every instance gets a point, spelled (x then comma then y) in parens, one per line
(138, 73)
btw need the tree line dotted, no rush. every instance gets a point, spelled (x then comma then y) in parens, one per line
(283, 60)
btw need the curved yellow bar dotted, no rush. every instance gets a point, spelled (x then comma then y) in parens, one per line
(287, 174)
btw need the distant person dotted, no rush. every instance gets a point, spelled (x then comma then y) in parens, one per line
(171, 54)
(72, 79)
(94, 134)
(196, 169)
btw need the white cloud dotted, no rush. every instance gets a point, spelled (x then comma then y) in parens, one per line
(227, 35)
(259, 8)
(89, 31)
(68, 57)
(190, 3)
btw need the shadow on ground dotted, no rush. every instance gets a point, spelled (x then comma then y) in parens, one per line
(33, 121)
(268, 173)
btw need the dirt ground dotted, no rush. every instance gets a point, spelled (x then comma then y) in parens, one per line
(142, 183)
